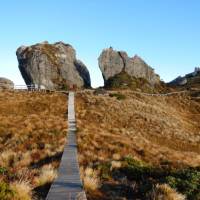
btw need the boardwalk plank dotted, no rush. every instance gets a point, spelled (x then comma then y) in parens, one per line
(68, 185)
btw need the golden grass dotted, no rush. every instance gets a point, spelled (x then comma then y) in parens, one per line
(157, 130)
(91, 180)
(116, 156)
(165, 192)
(22, 190)
(47, 175)
(115, 164)
(7, 158)
(154, 129)
(32, 135)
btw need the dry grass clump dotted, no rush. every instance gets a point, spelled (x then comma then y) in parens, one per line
(90, 180)
(115, 164)
(7, 158)
(162, 131)
(165, 192)
(17, 190)
(47, 175)
(91, 183)
(22, 190)
(33, 131)
(116, 156)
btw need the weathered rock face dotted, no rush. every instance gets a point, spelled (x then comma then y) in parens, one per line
(179, 81)
(113, 62)
(52, 66)
(189, 81)
(6, 83)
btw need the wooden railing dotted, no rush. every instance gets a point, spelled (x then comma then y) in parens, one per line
(30, 88)
(18, 87)
(162, 94)
(37, 88)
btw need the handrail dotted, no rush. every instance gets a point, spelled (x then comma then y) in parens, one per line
(161, 94)
(33, 87)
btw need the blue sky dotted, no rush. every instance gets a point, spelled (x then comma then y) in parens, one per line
(165, 33)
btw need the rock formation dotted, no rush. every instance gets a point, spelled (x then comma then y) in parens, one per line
(52, 66)
(6, 83)
(191, 80)
(180, 81)
(113, 63)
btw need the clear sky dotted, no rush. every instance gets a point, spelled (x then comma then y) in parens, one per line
(165, 33)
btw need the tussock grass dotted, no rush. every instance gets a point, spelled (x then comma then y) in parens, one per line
(32, 136)
(21, 190)
(91, 180)
(6, 193)
(163, 132)
(165, 192)
(47, 175)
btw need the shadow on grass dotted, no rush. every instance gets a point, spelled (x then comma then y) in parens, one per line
(136, 180)
(42, 191)
(47, 160)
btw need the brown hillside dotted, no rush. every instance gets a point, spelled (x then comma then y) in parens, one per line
(32, 135)
(163, 132)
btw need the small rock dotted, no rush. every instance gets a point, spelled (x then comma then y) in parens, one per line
(6, 83)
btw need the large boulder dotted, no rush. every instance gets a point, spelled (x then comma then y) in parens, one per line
(6, 84)
(52, 66)
(113, 63)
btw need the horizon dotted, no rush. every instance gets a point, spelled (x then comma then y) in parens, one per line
(164, 34)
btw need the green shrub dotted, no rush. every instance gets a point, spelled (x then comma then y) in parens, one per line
(125, 81)
(121, 80)
(3, 170)
(186, 181)
(105, 170)
(136, 170)
(5, 192)
(118, 96)
(65, 87)
(130, 161)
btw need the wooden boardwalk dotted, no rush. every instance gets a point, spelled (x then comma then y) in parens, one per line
(68, 185)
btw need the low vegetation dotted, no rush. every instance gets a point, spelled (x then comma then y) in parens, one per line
(131, 146)
(32, 136)
(141, 147)
(119, 96)
(125, 81)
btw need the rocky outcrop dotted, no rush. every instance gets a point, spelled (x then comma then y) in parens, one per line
(112, 63)
(6, 83)
(191, 80)
(179, 81)
(52, 66)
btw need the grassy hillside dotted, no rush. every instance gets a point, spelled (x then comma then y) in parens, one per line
(139, 147)
(192, 84)
(32, 136)
(130, 146)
